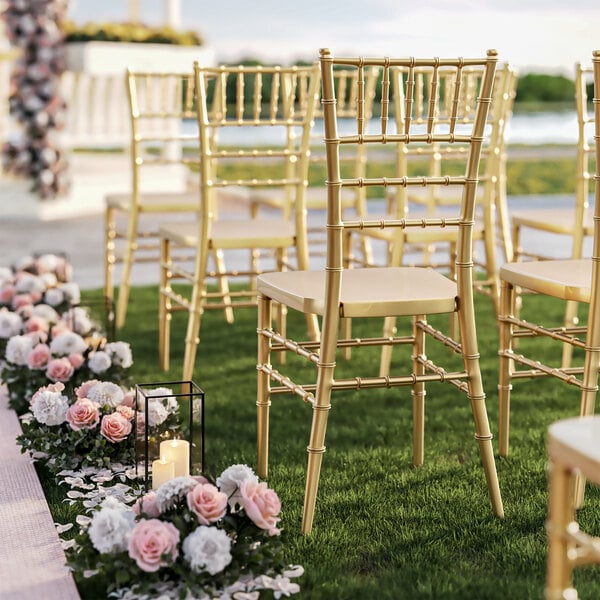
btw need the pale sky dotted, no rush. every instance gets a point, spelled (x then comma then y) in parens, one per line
(540, 35)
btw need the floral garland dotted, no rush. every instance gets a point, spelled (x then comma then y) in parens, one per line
(191, 538)
(34, 27)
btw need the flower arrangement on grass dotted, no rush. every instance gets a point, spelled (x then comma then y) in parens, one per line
(38, 358)
(189, 539)
(93, 428)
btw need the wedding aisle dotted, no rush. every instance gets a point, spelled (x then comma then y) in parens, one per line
(32, 561)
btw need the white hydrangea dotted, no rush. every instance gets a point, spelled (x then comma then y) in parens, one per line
(207, 549)
(27, 283)
(17, 349)
(68, 342)
(71, 291)
(45, 311)
(230, 481)
(10, 324)
(54, 297)
(106, 393)
(173, 490)
(79, 320)
(157, 413)
(111, 526)
(50, 408)
(99, 361)
(120, 354)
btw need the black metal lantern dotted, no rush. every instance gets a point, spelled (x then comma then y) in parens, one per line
(169, 439)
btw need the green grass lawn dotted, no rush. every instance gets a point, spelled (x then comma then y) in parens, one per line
(383, 528)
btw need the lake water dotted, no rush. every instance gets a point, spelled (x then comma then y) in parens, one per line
(528, 128)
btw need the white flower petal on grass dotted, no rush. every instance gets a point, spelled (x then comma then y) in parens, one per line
(207, 549)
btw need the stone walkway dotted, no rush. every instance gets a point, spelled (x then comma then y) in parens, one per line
(32, 561)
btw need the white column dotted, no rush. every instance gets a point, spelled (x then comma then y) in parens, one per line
(133, 11)
(173, 13)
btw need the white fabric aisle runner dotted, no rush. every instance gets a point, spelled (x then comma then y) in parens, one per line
(32, 561)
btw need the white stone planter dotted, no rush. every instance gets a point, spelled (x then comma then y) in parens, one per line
(115, 57)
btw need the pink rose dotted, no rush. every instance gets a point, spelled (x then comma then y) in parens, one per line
(150, 540)
(207, 503)
(38, 357)
(262, 505)
(7, 293)
(127, 412)
(147, 505)
(84, 414)
(59, 369)
(76, 359)
(115, 427)
(36, 296)
(36, 323)
(84, 388)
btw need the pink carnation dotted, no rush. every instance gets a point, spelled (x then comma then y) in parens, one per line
(207, 503)
(262, 505)
(115, 427)
(147, 505)
(84, 414)
(59, 369)
(38, 357)
(150, 540)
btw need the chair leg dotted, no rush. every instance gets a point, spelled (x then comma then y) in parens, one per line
(263, 401)
(559, 574)
(385, 360)
(192, 336)
(418, 393)
(109, 253)
(123, 298)
(164, 307)
(507, 300)
(223, 284)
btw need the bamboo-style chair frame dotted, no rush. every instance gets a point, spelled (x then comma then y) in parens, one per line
(572, 280)
(573, 451)
(158, 102)
(288, 115)
(337, 293)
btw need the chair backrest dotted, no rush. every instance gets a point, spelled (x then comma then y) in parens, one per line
(258, 119)
(584, 77)
(160, 105)
(456, 94)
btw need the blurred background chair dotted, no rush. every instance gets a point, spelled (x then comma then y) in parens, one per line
(574, 222)
(159, 103)
(336, 292)
(573, 451)
(274, 106)
(571, 280)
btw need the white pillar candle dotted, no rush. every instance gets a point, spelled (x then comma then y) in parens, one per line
(178, 452)
(162, 470)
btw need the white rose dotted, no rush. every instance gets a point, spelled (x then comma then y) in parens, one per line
(231, 479)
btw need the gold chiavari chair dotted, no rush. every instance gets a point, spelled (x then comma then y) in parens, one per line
(571, 280)
(274, 107)
(158, 105)
(573, 222)
(573, 451)
(337, 292)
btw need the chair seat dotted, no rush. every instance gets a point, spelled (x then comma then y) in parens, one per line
(155, 201)
(375, 292)
(235, 233)
(554, 221)
(565, 279)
